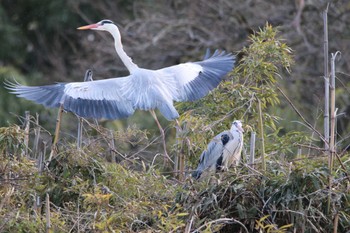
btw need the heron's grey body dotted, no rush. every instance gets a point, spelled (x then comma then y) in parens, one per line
(222, 151)
(143, 89)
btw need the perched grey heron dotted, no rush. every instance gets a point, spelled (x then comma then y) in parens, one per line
(222, 151)
(143, 89)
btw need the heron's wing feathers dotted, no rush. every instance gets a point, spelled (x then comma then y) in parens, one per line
(49, 96)
(209, 157)
(195, 79)
(95, 99)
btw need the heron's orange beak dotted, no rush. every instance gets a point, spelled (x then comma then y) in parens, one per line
(90, 26)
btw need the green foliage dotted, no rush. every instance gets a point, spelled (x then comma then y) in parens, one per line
(87, 191)
(8, 100)
(253, 79)
(11, 140)
(270, 228)
(286, 143)
(12, 43)
(13, 108)
(290, 196)
(31, 27)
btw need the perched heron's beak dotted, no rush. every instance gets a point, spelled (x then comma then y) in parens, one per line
(90, 26)
(240, 128)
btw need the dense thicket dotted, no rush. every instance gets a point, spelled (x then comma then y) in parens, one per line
(117, 180)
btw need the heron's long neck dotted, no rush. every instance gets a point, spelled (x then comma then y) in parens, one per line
(234, 128)
(130, 65)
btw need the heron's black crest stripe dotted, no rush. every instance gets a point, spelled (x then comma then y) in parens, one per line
(106, 21)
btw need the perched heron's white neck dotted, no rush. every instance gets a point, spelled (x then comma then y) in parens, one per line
(235, 128)
(130, 65)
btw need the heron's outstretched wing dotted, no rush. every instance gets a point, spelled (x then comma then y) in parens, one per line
(195, 79)
(95, 99)
(210, 158)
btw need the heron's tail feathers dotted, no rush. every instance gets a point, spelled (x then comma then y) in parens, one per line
(196, 174)
(168, 110)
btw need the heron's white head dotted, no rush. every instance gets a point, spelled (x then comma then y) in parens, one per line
(238, 125)
(103, 25)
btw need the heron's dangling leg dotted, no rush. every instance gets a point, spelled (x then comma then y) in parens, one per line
(166, 156)
(177, 125)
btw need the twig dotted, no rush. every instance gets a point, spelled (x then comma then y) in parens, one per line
(6, 198)
(310, 147)
(343, 166)
(161, 130)
(189, 225)
(301, 116)
(220, 220)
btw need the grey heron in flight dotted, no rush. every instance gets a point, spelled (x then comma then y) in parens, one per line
(222, 151)
(143, 89)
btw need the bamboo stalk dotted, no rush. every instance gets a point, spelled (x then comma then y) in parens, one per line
(40, 167)
(57, 133)
(336, 222)
(252, 149)
(179, 166)
(299, 152)
(26, 132)
(261, 129)
(113, 149)
(37, 137)
(78, 217)
(182, 163)
(80, 132)
(332, 148)
(87, 78)
(326, 79)
(48, 219)
(44, 151)
(333, 113)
